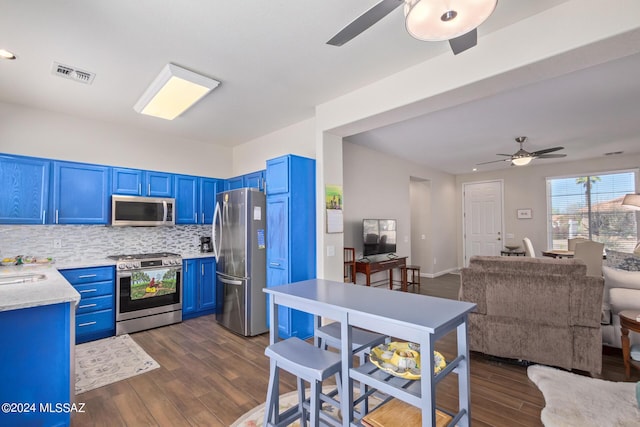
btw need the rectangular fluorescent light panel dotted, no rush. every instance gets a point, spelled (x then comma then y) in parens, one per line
(173, 92)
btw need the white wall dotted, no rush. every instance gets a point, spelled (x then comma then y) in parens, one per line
(421, 224)
(298, 138)
(41, 133)
(376, 185)
(525, 187)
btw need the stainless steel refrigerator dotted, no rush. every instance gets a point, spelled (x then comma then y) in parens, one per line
(238, 240)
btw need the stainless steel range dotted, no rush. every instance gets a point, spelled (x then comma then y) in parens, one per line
(148, 291)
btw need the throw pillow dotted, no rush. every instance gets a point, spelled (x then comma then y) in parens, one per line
(622, 260)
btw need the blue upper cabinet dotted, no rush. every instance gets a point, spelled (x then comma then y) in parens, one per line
(187, 199)
(233, 183)
(159, 184)
(25, 190)
(135, 182)
(127, 181)
(278, 175)
(209, 187)
(254, 180)
(80, 194)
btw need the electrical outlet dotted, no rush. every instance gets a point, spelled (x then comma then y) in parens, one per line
(57, 243)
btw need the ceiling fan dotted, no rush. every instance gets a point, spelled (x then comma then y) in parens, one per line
(523, 157)
(428, 20)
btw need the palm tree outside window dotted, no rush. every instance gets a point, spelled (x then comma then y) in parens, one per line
(590, 206)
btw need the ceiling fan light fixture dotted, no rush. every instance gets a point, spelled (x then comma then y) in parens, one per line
(521, 161)
(437, 20)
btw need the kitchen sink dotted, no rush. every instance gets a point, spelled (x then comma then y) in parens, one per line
(21, 278)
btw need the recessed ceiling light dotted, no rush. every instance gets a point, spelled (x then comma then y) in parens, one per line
(474, 169)
(5, 54)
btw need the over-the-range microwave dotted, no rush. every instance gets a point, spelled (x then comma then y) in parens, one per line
(142, 211)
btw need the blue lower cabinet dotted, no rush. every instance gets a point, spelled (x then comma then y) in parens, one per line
(198, 287)
(95, 314)
(36, 365)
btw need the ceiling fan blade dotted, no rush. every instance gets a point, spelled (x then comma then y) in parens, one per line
(551, 156)
(494, 161)
(464, 42)
(546, 150)
(364, 21)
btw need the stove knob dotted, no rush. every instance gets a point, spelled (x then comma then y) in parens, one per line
(176, 262)
(121, 266)
(136, 264)
(165, 262)
(129, 265)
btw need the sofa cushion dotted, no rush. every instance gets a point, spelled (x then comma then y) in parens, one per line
(622, 260)
(525, 265)
(623, 299)
(615, 278)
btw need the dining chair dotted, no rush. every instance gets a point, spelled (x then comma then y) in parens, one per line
(528, 247)
(591, 253)
(571, 243)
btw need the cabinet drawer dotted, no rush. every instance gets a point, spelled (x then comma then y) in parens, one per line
(94, 322)
(89, 305)
(86, 275)
(91, 290)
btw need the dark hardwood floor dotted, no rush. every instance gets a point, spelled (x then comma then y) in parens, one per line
(210, 377)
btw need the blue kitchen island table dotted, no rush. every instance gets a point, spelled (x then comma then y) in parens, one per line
(416, 318)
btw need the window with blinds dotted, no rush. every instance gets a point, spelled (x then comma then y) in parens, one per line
(590, 206)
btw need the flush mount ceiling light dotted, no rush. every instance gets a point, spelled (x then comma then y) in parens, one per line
(173, 92)
(5, 54)
(436, 20)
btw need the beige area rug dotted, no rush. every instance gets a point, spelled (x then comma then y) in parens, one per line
(574, 400)
(255, 417)
(106, 361)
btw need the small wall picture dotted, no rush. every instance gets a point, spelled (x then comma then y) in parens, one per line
(524, 214)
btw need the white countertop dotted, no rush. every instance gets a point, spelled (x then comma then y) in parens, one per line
(54, 289)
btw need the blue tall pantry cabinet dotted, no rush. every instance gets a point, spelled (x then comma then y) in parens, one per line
(291, 233)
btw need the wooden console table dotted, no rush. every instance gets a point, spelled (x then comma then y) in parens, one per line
(368, 268)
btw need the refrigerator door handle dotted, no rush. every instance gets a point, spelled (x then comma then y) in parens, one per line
(216, 215)
(230, 282)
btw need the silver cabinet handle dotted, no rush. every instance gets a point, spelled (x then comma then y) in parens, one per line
(202, 268)
(56, 216)
(87, 324)
(87, 305)
(149, 189)
(86, 276)
(274, 264)
(44, 216)
(195, 217)
(202, 218)
(140, 189)
(88, 291)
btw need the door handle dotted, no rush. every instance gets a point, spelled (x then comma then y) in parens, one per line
(230, 282)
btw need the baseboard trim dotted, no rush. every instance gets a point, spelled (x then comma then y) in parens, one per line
(453, 270)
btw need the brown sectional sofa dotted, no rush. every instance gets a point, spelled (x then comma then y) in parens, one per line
(539, 310)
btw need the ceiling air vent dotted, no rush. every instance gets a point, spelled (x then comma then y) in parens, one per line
(72, 73)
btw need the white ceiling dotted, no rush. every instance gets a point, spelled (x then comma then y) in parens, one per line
(275, 67)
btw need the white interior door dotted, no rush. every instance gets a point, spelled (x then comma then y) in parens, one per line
(483, 228)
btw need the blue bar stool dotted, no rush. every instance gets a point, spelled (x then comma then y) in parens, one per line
(362, 342)
(310, 364)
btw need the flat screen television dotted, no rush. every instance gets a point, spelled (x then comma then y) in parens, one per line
(378, 236)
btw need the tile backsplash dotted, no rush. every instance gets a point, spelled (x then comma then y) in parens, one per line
(86, 242)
